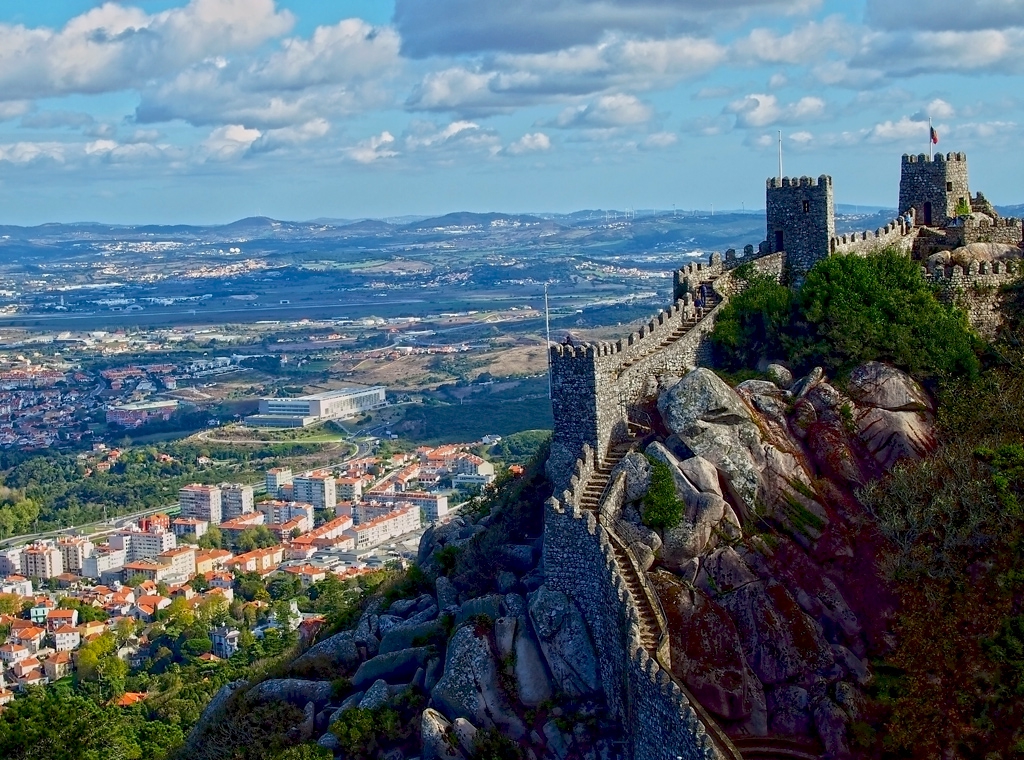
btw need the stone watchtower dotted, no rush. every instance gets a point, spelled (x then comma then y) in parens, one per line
(934, 187)
(801, 220)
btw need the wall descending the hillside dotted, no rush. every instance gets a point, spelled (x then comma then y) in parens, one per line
(579, 562)
(597, 388)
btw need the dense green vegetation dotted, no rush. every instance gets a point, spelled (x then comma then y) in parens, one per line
(952, 524)
(520, 448)
(850, 309)
(455, 423)
(661, 507)
(58, 490)
(179, 684)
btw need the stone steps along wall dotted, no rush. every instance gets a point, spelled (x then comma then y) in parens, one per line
(579, 561)
(594, 390)
(976, 290)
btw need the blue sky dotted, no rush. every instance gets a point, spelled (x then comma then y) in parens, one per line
(210, 110)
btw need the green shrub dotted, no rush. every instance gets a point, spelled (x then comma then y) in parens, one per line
(853, 309)
(753, 324)
(661, 508)
(850, 309)
(491, 745)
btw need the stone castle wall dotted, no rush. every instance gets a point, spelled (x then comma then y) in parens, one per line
(801, 220)
(1000, 230)
(897, 234)
(598, 388)
(940, 181)
(579, 562)
(976, 290)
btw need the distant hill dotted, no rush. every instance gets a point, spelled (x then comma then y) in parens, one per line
(470, 219)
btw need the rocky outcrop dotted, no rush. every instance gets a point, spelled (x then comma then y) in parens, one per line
(714, 423)
(565, 642)
(470, 686)
(292, 690)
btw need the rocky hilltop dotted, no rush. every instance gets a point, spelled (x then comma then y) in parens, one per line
(767, 580)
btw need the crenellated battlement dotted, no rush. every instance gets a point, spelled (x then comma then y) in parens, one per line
(580, 560)
(899, 233)
(938, 158)
(775, 183)
(955, 273)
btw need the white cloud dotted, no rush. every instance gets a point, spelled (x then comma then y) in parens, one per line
(618, 110)
(761, 110)
(903, 130)
(373, 149)
(32, 152)
(505, 82)
(11, 109)
(946, 14)
(113, 47)
(451, 27)
(534, 142)
(659, 141)
(229, 141)
(338, 71)
(811, 42)
(285, 137)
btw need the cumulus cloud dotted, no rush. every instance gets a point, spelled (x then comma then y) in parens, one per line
(659, 141)
(337, 71)
(505, 82)
(760, 110)
(286, 137)
(113, 47)
(535, 142)
(930, 52)
(812, 41)
(229, 141)
(449, 27)
(618, 110)
(373, 149)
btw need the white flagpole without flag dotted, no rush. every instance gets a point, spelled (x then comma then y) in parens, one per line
(780, 156)
(547, 327)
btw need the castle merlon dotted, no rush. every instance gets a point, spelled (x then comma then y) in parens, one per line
(922, 158)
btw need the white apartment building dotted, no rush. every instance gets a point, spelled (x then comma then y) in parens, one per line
(236, 499)
(278, 512)
(349, 489)
(202, 502)
(103, 560)
(66, 638)
(41, 560)
(276, 479)
(185, 526)
(139, 544)
(10, 561)
(317, 488)
(74, 550)
(181, 560)
(380, 529)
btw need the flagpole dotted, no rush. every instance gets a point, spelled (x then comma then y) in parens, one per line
(929, 138)
(780, 156)
(547, 328)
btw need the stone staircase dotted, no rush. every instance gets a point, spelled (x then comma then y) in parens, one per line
(652, 635)
(712, 301)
